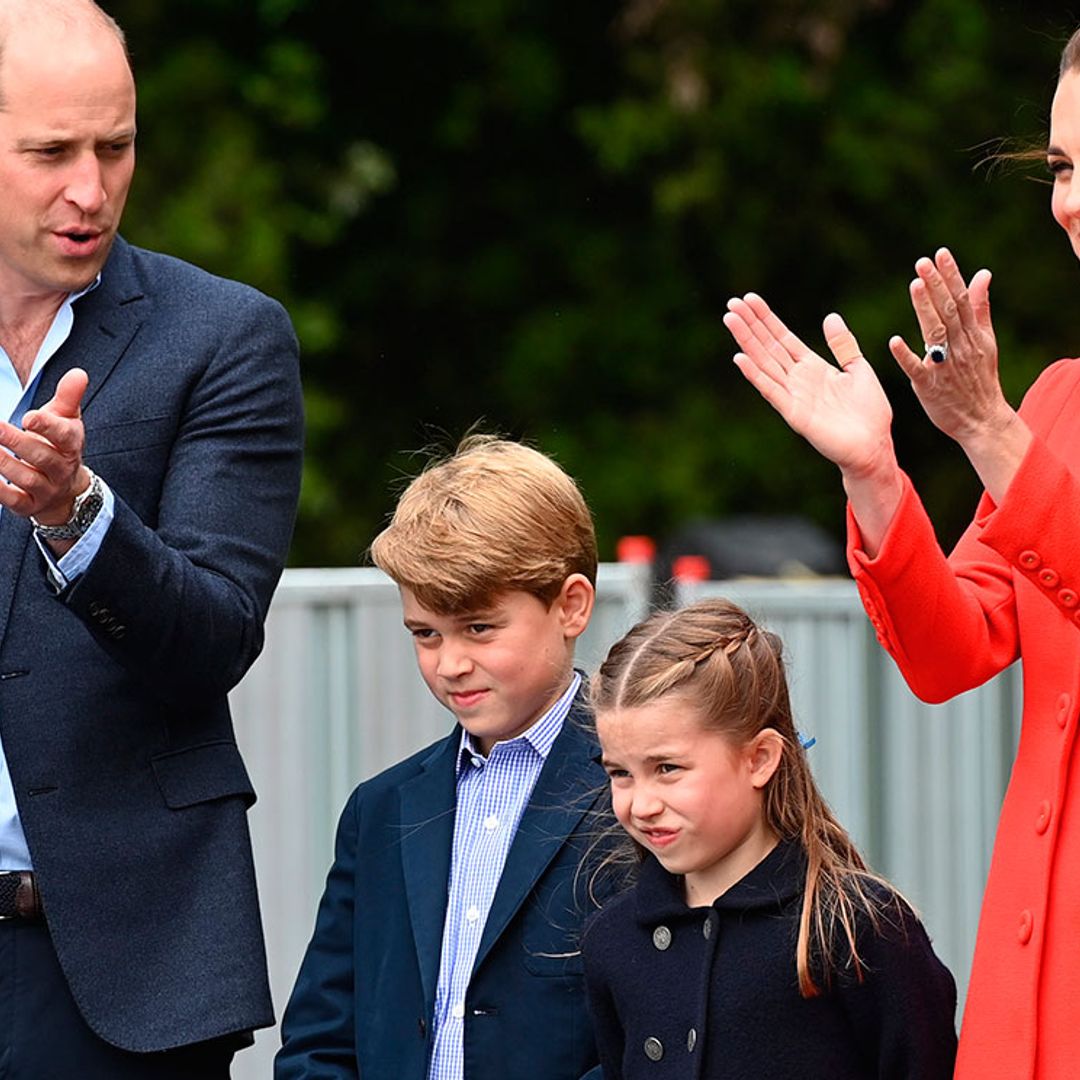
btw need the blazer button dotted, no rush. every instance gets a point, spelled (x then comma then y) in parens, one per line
(1042, 822)
(691, 1040)
(421, 1026)
(1030, 560)
(654, 1048)
(1023, 931)
(707, 928)
(1067, 598)
(1049, 578)
(661, 938)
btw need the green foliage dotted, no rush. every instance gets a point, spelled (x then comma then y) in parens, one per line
(533, 215)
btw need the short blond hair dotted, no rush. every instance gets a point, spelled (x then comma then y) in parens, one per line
(493, 517)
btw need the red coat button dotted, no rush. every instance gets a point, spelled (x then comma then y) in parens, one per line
(1023, 931)
(1030, 560)
(1046, 812)
(1067, 598)
(1064, 704)
(1049, 578)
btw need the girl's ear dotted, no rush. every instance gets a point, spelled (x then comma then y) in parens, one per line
(763, 754)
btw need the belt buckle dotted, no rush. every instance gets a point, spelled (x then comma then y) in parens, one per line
(16, 876)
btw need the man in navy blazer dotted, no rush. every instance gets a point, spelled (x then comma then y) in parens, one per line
(155, 434)
(447, 943)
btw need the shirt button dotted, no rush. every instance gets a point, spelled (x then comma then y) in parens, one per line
(654, 1048)
(691, 1040)
(478, 762)
(1049, 578)
(661, 938)
(1042, 821)
(472, 914)
(1023, 931)
(1068, 598)
(458, 1011)
(491, 822)
(1030, 560)
(707, 929)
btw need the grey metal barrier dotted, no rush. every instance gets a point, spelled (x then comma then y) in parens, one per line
(336, 697)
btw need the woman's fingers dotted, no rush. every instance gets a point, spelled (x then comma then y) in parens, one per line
(841, 340)
(911, 363)
(942, 300)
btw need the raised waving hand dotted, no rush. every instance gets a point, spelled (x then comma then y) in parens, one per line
(840, 409)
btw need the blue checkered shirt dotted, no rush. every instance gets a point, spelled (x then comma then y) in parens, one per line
(491, 797)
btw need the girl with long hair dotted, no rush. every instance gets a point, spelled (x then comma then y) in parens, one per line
(755, 940)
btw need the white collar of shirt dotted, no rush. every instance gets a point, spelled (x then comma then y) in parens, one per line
(540, 736)
(11, 390)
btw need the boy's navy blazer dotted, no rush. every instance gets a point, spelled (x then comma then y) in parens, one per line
(113, 713)
(365, 995)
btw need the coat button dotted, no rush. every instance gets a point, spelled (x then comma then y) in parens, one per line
(661, 938)
(1049, 578)
(1023, 931)
(707, 928)
(1030, 560)
(1067, 598)
(691, 1040)
(654, 1048)
(1042, 822)
(1064, 705)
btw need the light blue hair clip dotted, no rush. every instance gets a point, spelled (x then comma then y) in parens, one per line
(807, 743)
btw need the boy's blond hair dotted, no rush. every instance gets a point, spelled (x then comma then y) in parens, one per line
(492, 517)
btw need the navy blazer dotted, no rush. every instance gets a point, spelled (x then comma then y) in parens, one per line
(365, 996)
(113, 709)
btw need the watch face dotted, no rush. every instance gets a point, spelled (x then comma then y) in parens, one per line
(88, 510)
(87, 507)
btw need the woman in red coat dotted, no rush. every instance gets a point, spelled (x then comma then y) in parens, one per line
(1010, 588)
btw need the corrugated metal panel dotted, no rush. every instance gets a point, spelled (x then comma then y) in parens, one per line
(336, 697)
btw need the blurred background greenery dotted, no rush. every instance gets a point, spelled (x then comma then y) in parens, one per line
(531, 215)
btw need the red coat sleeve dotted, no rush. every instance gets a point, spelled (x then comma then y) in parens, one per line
(951, 622)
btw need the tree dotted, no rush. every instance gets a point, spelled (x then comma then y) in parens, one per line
(532, 216)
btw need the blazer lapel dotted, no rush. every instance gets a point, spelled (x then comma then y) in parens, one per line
(427, 823)
(567, 789)
(106, 321)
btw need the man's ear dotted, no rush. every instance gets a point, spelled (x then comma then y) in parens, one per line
(575, 604)
(764, 752)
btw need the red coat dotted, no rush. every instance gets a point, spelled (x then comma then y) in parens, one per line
(1010, 588)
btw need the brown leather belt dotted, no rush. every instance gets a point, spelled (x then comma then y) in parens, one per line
(19, 897)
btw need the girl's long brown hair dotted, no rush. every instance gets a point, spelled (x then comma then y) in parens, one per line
(712, 655)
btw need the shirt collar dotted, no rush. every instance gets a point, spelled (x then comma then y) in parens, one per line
(540, 736)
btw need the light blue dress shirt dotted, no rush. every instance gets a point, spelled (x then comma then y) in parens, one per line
(14, 401)
(491, 796)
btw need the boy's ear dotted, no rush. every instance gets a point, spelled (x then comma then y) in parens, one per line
(575, 603)
(763, 754)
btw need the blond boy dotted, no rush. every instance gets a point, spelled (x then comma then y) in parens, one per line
(446, 944)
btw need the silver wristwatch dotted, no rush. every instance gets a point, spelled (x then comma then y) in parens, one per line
(86, 508)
